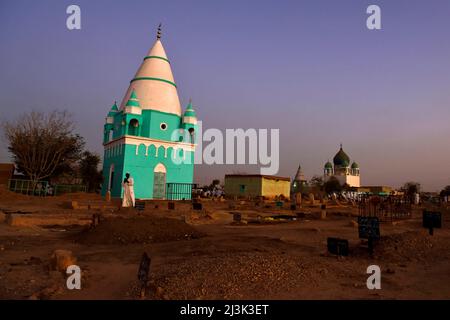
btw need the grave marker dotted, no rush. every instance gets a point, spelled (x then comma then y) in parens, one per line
(171, 205)
(337, 246)
(139, 205)
(369, 228)
(144, 269)
(431, 220)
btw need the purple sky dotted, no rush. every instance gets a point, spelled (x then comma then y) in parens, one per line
(310, 68)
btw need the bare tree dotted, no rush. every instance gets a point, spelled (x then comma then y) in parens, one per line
(43, 144)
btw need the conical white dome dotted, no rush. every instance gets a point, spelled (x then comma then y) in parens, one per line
(154, 83)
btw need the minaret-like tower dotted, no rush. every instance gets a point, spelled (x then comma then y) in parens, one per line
(299, 181)
(148, 135)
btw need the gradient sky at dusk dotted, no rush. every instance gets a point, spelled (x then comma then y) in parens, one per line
(310, 68)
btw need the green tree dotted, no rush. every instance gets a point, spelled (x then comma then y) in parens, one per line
(88, 170)
(445, 192)
(317, 182)
(333, 186)
(410, 189)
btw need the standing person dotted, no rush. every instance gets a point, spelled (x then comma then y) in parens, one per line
(128, 191)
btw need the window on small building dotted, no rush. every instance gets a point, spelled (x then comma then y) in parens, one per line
(242, 188)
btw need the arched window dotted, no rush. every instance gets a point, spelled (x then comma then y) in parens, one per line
(133, 127)
(111, 176)
(192, 134)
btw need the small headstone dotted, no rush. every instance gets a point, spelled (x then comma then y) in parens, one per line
(311, 198)
(171, 205)
(323, 211)
(298, 198)
(139, 205)
(95, 220)
(293, 207)
(61, 259)
(431, 220)
(237, 217)
(369, 228)
(144, 269)
(279, 204)
(337, 246)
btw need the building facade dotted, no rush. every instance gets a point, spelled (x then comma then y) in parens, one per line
(342, 170)
(256, 185)
(147, 135)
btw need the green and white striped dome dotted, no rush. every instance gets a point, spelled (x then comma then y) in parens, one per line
(154, 83)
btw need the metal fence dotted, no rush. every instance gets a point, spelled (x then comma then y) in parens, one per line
(179, 191)
(386, 208)
(43, 188)
(69, 188)
(28, 187)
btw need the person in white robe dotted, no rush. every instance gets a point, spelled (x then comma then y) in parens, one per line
(128, 191)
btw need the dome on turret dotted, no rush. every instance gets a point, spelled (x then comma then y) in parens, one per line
(328, 165)
(189, 115)
(355, 165)
(341, 159)
(113, 110)
(133, 101)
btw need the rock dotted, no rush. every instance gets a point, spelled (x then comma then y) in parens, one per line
(61, 259)
(34, 296)
(353, 223)
(159, 292)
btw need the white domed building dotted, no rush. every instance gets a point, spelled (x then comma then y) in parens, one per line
(342, 170)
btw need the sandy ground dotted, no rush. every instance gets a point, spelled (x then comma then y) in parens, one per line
(203, 255)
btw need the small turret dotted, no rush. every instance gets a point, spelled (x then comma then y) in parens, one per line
(132, 105)
(189, 115)
(190, 121)
(328, 169)
(109, 123)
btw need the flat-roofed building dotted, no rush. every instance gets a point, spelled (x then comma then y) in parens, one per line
(256, 185)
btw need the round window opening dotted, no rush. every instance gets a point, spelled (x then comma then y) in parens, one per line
(163, 126)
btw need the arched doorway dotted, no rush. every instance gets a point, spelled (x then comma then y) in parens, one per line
(159, 181)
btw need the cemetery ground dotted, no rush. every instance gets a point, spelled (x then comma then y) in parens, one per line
(272, 254)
